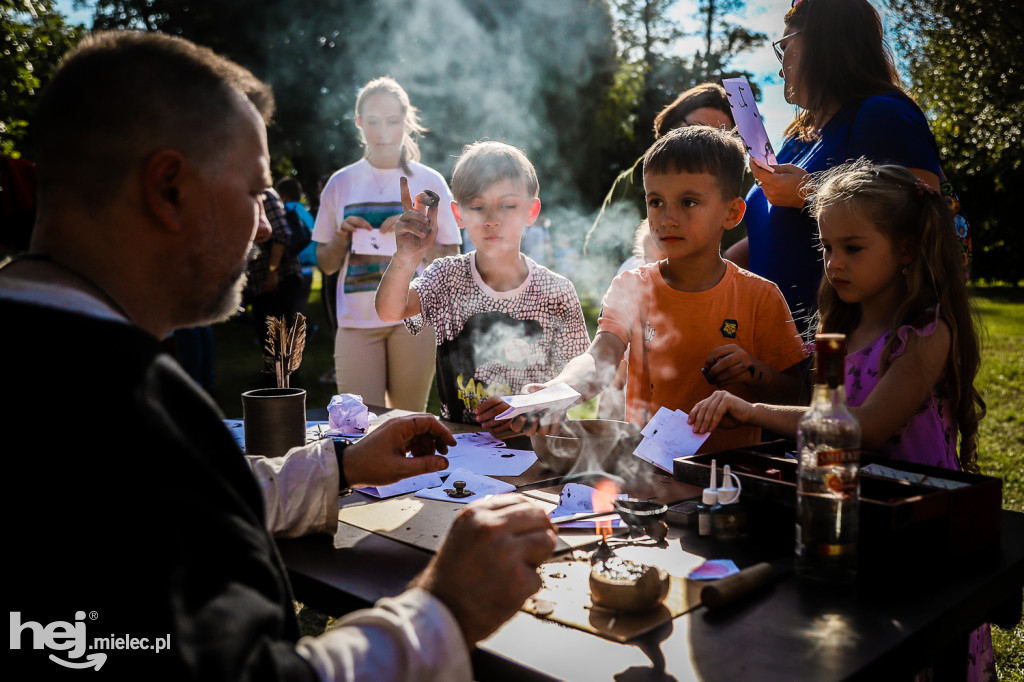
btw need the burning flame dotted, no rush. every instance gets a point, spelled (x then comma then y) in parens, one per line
(605, 492)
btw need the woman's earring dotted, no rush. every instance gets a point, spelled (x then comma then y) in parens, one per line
(904, 270)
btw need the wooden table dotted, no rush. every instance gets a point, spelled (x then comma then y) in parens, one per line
(791, 631)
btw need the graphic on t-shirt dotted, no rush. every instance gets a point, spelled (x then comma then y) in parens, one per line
(372, 242)
(474, 365)
(363, 277)
(729, 328)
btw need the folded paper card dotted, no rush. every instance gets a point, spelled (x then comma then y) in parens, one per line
(479, 486)
(557, 397)
(672, 437)
(748, 120)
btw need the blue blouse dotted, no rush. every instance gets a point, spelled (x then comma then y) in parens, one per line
(889, 129)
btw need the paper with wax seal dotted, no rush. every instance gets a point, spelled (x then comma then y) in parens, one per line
(374, 243)
(480, 486)
(748, 120)
(557, 397)
(671, 437)
(577, 499)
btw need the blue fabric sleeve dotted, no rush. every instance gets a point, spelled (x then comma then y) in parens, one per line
(892, 129)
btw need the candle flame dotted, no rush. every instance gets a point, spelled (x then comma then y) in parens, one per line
(602, 500)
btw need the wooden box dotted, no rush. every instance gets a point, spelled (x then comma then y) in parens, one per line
(908, 512)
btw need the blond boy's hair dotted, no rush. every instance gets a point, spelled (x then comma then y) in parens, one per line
(483, 164)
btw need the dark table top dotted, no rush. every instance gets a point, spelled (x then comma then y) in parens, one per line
(878, 629)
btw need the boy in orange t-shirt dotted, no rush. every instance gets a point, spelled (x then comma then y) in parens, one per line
(693, 322)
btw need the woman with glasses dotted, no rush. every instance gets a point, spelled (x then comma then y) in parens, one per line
(839, 72)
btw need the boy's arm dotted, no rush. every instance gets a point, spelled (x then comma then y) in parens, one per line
(731, 364)
(395, 299)
(592, 371)
(588, 374)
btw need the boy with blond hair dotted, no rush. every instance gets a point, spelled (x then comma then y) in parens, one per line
(501, 320)
(692, 322)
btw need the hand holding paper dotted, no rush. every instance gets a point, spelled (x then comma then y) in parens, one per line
(557, 397)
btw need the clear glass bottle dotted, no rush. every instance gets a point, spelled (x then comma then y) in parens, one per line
(828, 479)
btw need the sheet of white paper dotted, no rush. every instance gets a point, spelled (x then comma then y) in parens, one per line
(659, 417)
(674, 438)
(748, 120)
(577, 499)
(490, 461)
(373, 243)
(408, 485)
(481, 486)
(557, 397)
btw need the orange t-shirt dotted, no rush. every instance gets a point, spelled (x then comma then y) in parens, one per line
(670, 335)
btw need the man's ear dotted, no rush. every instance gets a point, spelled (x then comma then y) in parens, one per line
(737, 207)
(457, 212)
(163, 189)
(534, 212)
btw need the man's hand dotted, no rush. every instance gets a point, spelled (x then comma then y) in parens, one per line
(379, 458)
(542, 423)
(487, 566)
(721, 408)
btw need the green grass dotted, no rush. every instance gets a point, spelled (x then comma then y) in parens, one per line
(1000, 382)
(1001, 433)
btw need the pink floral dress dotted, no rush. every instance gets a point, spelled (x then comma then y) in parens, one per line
(930, 437)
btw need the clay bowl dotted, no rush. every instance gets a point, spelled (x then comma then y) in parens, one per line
(623, 585)
(599, 444)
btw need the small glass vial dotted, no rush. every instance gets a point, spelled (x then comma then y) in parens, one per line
(729, 516)
(709, 499)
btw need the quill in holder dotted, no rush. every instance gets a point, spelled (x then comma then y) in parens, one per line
(284, 346)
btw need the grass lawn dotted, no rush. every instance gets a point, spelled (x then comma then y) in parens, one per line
(1000, 382)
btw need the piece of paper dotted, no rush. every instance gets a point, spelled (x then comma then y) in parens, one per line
(373, 243)
(748, 120)
(484, 454)
(713, 569)
(557, 397)
(407, 485)
(480, 486)
(671, 439)
(577, 499)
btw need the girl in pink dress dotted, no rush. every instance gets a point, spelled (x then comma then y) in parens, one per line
(894, 284)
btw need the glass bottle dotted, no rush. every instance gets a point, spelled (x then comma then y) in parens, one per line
(828, 478)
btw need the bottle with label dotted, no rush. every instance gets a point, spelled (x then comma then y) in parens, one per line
(828, 478)
(729, 516)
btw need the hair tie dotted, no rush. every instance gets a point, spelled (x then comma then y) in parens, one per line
(924, 188)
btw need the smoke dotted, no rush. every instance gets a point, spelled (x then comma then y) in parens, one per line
(528, 72)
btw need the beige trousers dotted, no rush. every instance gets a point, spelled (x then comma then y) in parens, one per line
(385, 365)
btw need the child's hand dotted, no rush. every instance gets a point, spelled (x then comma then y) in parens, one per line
(730, 364)
(542, 423)
(415, 231)
(721, 408)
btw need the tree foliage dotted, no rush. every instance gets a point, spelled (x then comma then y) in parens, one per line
(966, 65)
(34, 37)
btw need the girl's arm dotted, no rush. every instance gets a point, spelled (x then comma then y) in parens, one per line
(724, 409)
(898, 395)
(904, 387)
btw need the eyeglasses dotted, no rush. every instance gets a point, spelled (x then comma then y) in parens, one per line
(780, 51)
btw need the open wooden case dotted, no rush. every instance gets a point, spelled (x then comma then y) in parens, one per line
(908, 512)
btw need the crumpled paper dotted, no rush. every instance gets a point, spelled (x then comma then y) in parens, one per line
(348, 415)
